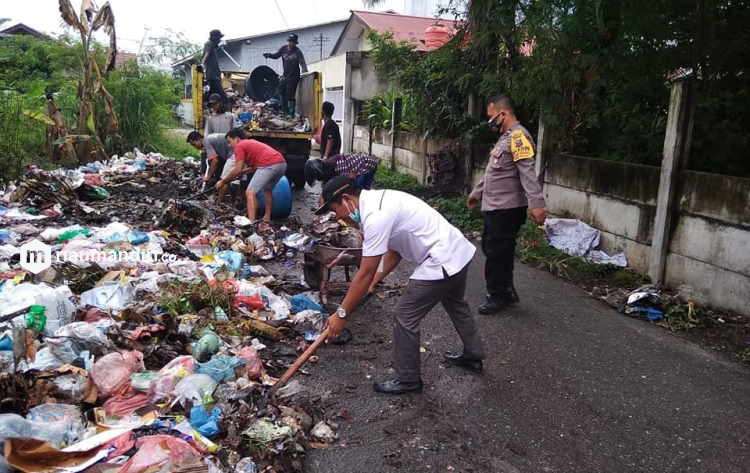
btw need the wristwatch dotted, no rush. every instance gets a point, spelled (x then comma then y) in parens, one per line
(341, 313)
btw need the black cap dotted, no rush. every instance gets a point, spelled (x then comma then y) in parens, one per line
(293, 37)
(215, 34)
(214, 98)
(333, 189)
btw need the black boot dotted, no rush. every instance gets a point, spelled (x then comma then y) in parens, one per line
(466, 362)
(495, 304)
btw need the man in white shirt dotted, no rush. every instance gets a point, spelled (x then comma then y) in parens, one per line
(396, 226)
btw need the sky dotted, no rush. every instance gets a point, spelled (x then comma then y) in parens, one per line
(136, 19)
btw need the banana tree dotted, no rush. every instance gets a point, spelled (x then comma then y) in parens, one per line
(86, 136)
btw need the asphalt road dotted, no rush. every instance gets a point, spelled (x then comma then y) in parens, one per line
(570, 385)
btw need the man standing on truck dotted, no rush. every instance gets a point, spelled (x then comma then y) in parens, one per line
(269, 166)
(210, 63)
(330, 136)
(293, 62)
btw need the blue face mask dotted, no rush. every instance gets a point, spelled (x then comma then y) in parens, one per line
(355, 216)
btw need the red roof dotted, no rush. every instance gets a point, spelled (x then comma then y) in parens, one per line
(123, 57)
(404, 27)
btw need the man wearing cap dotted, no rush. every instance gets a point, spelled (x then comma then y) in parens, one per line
(210, 63)
(396, 226)
(293, 62)
(219, 119)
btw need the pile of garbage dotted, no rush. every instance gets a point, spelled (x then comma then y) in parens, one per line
(157, 350)
(268, 116)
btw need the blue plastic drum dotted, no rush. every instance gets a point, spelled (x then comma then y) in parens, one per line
(282, 200)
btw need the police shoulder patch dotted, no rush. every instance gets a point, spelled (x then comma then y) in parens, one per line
(520, 146)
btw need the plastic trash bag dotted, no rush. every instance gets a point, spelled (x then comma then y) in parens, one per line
(206, 423)
(198, 388)
(122, 405)
(221, 367)
(253, 364)
(58, 308)
(141, 381)
(45, 360)
(136, 237)
(63, 418)
(264, 431)
(162, 387)
(232, 260)
(301, 302)
(82, 336)
(110, 295)
(246, 465)
(206, 346)
(160, 453)
(111, 373)
(15, 426)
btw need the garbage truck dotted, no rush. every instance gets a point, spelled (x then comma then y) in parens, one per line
(261, 85)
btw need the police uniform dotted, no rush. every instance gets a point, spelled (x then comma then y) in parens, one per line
(509, 186)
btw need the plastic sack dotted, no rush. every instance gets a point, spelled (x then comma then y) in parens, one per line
(221, 367)
(207, 424)
(110, 295)
(58, 308)
(253, 364)
(232, 260)
(113, 232)
(111, 373)
(142, 381)
(160, 453)
(206, 346)
(198, 388)
(122, 405)
(301, 302)
(64, 418)
(70, 234)
(45, 360)
(71, 386)
(136, 237)
(265, 431)
(15, 426)
(162, 387)
(82, 336)
(251, 302)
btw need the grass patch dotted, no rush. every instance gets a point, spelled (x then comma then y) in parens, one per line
(455, 211)
(387, 179)
(533, 249)
(173, 145)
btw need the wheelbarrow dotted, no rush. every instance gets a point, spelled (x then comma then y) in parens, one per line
(320, 262)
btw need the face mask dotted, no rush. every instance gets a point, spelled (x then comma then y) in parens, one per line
(354, 215)
(491, 122)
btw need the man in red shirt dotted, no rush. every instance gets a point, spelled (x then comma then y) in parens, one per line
(267, 163)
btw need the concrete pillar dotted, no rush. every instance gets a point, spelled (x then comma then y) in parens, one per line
(349, 112)
(676, 150)
(541, 155)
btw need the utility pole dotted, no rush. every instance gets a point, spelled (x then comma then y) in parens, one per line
(320, 40)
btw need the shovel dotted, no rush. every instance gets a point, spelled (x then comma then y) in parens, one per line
(299, 362)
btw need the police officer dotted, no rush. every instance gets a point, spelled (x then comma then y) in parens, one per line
(508, 188)
(294, 62)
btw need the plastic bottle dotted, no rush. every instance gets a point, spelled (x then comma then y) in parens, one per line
(35, 318)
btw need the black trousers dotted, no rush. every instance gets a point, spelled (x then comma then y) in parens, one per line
(214, 87)
(499, 245)
(288, 93)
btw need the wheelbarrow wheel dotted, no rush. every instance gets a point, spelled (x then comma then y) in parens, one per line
(312, 272)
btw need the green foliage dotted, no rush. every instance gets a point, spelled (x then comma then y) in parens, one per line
(455, 211)
(378, 111)
(597, 70)
(168, 49)
(144, 100)
(174, 145)
(26, 62)
(21, 140)
(387, 179)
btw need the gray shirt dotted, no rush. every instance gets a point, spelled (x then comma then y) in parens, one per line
(221, 123)
(510, 179)
(216, 144)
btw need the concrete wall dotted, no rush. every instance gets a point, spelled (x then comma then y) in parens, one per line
(709, 252)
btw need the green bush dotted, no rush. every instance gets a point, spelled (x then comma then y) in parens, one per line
(455, 211)
(387, 179)
(144, 101)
